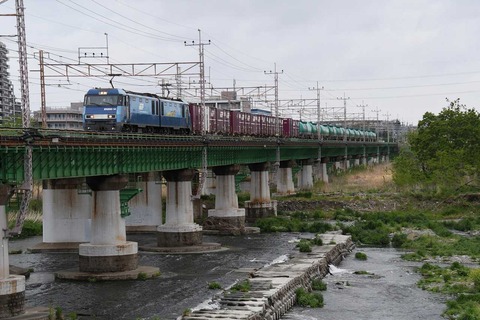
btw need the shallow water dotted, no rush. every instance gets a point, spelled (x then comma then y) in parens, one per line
(182, 284)
(390, 294)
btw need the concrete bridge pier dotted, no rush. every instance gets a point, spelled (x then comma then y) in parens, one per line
(356, 161)
(338, 165)
(146, 207)
(305, 181)
(346, 162)
(323, 170)
(12, 287)
(260, 204)
(210, 183)
(226, 217)
(108, 250)
(179, 229)
(364, 160)
(66, 215)
(285, 178)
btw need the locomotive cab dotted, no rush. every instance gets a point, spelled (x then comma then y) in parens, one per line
(105, 109)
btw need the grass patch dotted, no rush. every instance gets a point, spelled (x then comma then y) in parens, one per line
(30, 228)
(319, 285)
(309, 299)
(456, 280)
(304, 246)
(242, 286)
(142, 276)
(361, 256)
(291, 224)
(214, 285)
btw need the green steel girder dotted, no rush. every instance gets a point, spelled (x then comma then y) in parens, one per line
(12, 165)
(69, 161)
(58, 162)
(226, 155)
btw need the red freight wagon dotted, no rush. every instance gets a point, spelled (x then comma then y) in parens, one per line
(237, 122)
(267, 126)
(256, 125)
(290, 128)
(219, 121)
(196, 116)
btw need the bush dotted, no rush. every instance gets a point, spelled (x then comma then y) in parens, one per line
(319, 285)
(361, 256)
(312, 300)
(398, 240)
(214, 285)
(319, 227)
(317, 241)
(30, 229)
(304, 246)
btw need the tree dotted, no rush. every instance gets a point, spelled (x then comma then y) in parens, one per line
(444, 152)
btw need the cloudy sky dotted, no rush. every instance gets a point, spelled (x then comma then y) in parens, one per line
(399, 58)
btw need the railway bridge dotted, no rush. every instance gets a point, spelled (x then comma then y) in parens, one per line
(87, 184)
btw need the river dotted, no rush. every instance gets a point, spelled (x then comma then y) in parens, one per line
(390, 293)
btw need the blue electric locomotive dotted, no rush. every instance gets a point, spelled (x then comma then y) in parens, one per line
(113, 109)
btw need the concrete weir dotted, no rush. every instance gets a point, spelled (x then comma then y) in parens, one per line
(273, 287)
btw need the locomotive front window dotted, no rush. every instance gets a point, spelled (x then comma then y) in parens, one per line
(113, 100)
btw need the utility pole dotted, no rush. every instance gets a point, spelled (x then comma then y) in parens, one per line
(319, 117)
(387, 126)
(201, 52)
(22, 54)
(275, 73)
(377, 111)
(42, 91)
(363, 106)
(344, 115)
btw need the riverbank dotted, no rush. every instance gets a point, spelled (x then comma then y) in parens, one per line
(273, 288)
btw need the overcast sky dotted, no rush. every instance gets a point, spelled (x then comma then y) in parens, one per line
(402, 57)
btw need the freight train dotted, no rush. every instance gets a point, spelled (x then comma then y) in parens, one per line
(114, 109)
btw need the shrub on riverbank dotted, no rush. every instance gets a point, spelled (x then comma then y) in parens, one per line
(309, 299)
(288, 224)
(30, 229)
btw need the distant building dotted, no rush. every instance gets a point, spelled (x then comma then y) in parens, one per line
(67, 118)
(8, 106)
(228, 100)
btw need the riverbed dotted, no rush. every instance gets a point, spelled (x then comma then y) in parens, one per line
(389, 292)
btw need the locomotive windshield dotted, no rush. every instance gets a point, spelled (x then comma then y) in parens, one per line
(110, 100)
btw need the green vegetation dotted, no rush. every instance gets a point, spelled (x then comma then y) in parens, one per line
(214, 285)
(319, 285)
(30, 228)
(454, 280)
(142, 276)
(242, 286)
(444, 153)
(294, 223)
(306, 299)
(361, 256)
(304, 246)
